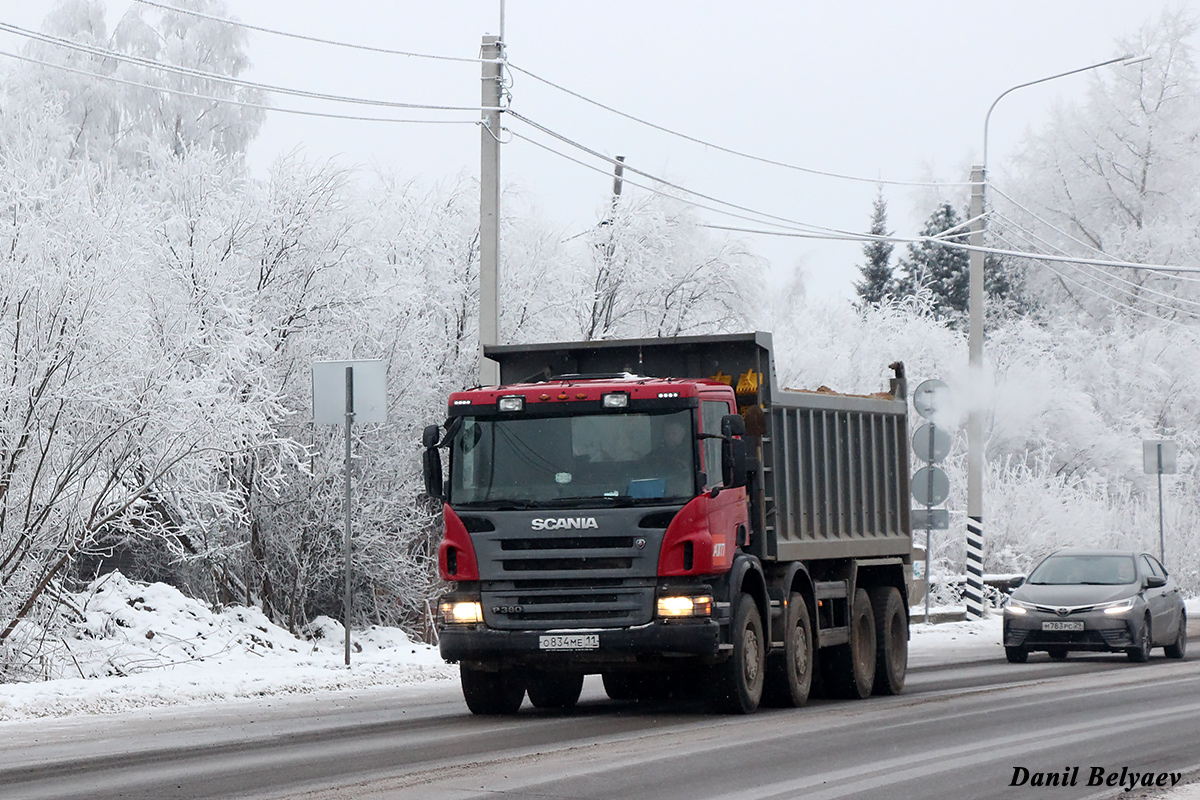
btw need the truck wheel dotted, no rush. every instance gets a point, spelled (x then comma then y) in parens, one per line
(621, 685)
(736, 684)
(499, 692)
(790, 673)
(849, 669)
(891, 639)
(554, 689)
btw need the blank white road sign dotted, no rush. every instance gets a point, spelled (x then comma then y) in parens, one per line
(369, 383)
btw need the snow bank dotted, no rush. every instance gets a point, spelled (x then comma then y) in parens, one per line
(128, 645)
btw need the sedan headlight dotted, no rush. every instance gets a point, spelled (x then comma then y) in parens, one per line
(677, 607)
(1118, 607)
(1019, 607)
(461, 612)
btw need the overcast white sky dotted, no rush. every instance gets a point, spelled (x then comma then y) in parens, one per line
(891, 90)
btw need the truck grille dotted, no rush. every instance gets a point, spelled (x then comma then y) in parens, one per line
(547, 579)
(568, 607)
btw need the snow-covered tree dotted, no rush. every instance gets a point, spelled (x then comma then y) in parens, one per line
(1117, 178)
(652, 271)
(152, 99)
(941, 270)
(877, 280)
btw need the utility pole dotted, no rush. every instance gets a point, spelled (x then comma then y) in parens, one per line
(489, 208)
(618, 179)
(974, 591)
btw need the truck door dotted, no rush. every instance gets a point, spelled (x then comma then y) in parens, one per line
(728, 512)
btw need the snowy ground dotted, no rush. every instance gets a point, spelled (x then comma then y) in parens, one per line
(137, 646)
(140, 645)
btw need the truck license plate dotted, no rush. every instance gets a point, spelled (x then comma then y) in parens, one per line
(577, 641)
(1071, 625)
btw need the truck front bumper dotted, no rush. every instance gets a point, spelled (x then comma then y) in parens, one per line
(700, 639)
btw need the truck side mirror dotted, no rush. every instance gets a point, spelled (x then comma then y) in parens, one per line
(431, 463)
(733, 462)
(431, 436)
(733, 425)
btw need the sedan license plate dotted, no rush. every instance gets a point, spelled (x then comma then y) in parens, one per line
(575, 641)
(1066, 625)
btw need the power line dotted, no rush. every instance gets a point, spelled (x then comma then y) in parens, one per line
(1098, 273)
(650, 189)
(195, 73)
(1104, 279)
(760, 216)
(1110, 300)
(730, 151)
(865, 237)
(302, 37)
(230, 101)
(1060, 231)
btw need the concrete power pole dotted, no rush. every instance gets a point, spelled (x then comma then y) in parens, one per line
(974, 591)
(489, 208)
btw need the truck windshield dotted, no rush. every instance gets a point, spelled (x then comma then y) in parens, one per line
(613, 457)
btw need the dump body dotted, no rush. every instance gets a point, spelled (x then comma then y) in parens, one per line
(582, 538)
(834, 467)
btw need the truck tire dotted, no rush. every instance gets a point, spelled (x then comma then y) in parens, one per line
(491, 693)
(849, 669)
(554, 689)
(891, 639)
(789, 675)
(736, 684)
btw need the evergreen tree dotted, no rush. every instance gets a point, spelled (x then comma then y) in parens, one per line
(877, 282)
(941, 271)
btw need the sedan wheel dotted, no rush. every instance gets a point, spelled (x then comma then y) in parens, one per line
(1016, 655)
(1179, 647)
(1141, 653)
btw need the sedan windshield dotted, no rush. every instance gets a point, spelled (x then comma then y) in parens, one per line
(1105, 570)
(614, 457)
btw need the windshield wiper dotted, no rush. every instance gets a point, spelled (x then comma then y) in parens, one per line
(498, 505)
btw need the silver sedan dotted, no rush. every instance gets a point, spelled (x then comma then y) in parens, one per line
(1106, 600)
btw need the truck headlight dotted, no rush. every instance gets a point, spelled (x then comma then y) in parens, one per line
(516, 403)
(688, 605)
(461, 612)
(615, 400)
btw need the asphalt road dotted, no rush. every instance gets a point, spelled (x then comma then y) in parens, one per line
(960, 730)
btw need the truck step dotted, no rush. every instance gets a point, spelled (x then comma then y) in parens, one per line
(831, 636)
(830, 589)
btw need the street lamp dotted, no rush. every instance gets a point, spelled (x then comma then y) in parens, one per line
(974, 590)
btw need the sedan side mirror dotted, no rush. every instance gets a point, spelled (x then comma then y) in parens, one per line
(1155, 581)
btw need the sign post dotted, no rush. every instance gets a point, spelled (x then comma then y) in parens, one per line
(1159, 456)
(336, 387)
(930, 486)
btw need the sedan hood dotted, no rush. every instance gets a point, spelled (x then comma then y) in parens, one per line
(1073, 594)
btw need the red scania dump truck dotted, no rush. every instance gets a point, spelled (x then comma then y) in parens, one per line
(661, 513)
